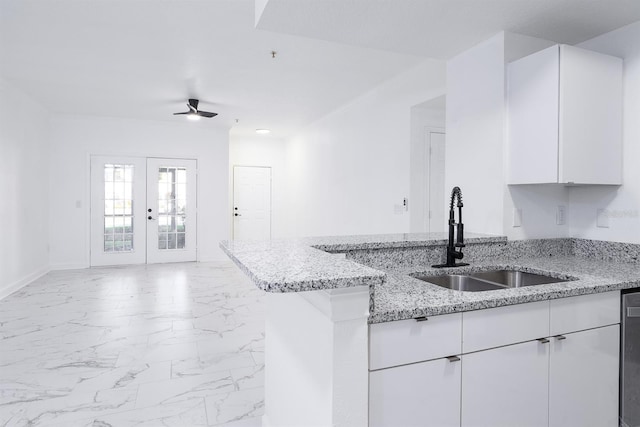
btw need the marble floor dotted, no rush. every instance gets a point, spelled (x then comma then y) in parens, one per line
(157, 345)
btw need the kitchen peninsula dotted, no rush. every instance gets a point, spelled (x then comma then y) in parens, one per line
(335, 307)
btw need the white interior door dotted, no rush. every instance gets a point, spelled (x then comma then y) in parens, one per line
(436, 200)
(171, 210)
(118, 234)
(142, 210)
(251, 202)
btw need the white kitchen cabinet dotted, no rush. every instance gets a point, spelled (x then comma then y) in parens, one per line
(548, 363)
(500, 326)
(410, 341)
(506, 386)
(584, 312)
(421, 394)
(583, 378)
(565, 117)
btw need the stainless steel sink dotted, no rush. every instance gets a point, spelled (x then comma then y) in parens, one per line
(489, 280)
(458, 282)
(515, 279)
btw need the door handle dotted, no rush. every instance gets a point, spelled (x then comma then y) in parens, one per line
(560, 337)
(543, 340)
(453, 359)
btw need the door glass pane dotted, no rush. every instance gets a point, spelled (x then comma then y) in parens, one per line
(172, 207)
(118, 208)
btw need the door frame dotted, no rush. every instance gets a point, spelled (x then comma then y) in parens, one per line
(87, 194)
(426, 170)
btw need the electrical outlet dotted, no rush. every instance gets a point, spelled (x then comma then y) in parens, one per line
(602, 218)
(561, 215)
(517, 217)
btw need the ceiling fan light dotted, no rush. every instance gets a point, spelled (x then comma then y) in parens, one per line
(193, 116)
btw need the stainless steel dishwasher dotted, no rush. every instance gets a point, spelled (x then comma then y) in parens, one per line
(630, 360)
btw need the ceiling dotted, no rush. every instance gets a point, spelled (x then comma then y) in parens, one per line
(143, 59)
(443, 28)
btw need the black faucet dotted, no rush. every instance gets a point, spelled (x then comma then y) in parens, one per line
(452, 253)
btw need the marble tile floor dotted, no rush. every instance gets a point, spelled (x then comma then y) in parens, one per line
(156, 345)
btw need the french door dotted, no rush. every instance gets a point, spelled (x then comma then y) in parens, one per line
(143, 210)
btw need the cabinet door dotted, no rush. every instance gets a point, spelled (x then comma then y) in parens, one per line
(590, 117)
(506, 386)
(422, 394)
(583, 378)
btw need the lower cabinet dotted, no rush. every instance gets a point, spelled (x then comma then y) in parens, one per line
(506, 386)
(583, 378)
(557, 381)
(420, 394)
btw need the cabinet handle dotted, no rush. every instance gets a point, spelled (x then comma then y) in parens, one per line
(453, 359)
(543, 340)
(421, 319)
(561, 337)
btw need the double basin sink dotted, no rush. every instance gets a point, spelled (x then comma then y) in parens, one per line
(489, 280)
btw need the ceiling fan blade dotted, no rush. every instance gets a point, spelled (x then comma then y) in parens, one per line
(193, 103)
(207, 114)
(175, 114)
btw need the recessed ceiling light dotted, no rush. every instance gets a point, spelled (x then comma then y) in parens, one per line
(263, 131)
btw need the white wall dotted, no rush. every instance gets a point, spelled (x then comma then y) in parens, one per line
(423, 118)
(24, 177)
(476, 144)
(475, 133)
(621, 204)
(263, 151)
(75, 138)
(349, 172)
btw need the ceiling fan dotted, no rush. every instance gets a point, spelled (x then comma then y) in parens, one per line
(194, 113)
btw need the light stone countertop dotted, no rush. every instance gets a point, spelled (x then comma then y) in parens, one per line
(404, 297)
(305, 264)
(297, 265)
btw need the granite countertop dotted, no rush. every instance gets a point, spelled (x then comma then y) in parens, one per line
(296, 265)
(404, 297)
(306, 264)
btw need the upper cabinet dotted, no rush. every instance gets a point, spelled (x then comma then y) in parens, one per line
(565, 118)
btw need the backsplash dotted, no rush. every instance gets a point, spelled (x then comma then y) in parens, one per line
(396, 258)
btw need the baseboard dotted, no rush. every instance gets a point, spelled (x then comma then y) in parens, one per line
(56, 267)
(5, 291)
(213, 258)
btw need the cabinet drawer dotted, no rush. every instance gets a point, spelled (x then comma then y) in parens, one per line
(584, 312)
(495, 327)
(410, 341)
